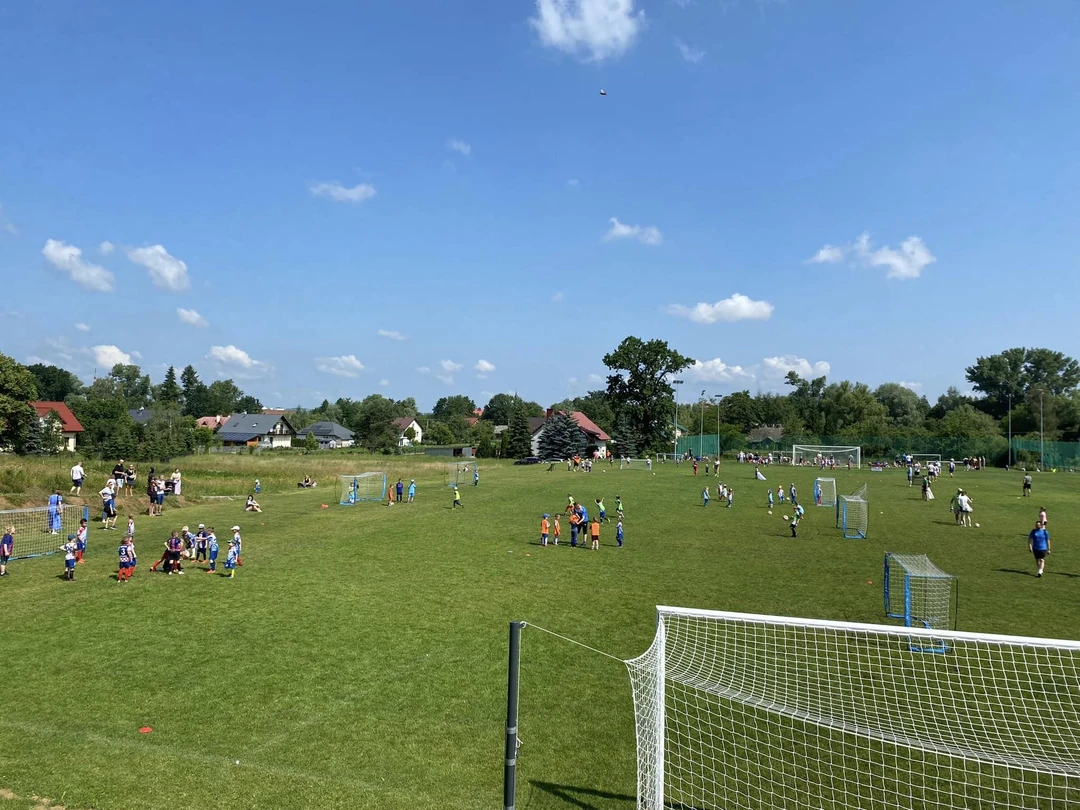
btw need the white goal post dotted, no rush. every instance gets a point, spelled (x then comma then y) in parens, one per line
(810, 453)
(41, 530)
(853, 513)
(735, 710)
(635, 463)
(825, 492)
(360, 487)
(461, 471)
(924, 458)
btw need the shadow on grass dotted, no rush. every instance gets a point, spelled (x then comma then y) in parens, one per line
(1015, 571)
(1063, 574)
(580, 796)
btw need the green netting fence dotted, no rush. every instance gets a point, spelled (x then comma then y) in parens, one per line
(1026, 452)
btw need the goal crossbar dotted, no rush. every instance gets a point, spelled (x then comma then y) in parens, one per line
(745, 710)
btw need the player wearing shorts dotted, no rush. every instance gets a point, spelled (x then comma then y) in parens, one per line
(544, 530)
(232, 559)
(239, 543)
(7, 548)
(200, 543)
(1039, 546)
(126, 553)
(69, 558)
(212, 548)
(80, 540)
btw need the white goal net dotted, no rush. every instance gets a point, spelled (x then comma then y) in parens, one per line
(461, 472)
(360, 487)
(825, 492)
(635, 463)
(815, 454)
(41, 530)
(746, 712)
(926, 458)
(853, 513)
(917, 591)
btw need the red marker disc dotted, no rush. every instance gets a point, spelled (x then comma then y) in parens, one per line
(145, 730)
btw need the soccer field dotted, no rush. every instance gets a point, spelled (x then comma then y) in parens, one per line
(358, 659)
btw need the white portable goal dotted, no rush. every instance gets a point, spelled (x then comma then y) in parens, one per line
(770, 713)
(41, 530)
(811, 453)
(360, 487)
(925, 458)
(918, 592)
(853, 513)
(461, 471)
(634, 464)
(825, 492)
(666, 457)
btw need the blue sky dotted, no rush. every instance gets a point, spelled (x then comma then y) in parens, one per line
(428, 198)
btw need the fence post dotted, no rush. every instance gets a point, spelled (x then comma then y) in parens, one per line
(513, 672)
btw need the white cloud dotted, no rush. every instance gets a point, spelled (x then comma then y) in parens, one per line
(236, 358)
(908, 262)
(717, 370)
(136, 355)
(736, 308)
(68, 259)
(166, 270)
(423, 370)
(454, 145)
(82, 327)
(109, 356)
(446, 378)
(344, 366)
(558, 298)
(914, 386)
(689, 52)
(191, 317)
(6, 224)
(106, 247)
(573, 182)
(384, 383)
(596, 378)
(340, 193)
(646, 234)
(391, 334)
(450, 365)
(484, 367)
(778, 367)
(593, 30)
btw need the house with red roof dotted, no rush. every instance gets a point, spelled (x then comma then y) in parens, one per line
(595, 438)
(68, 423)
(212, 422)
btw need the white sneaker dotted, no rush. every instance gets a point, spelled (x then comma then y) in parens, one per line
(180, 572)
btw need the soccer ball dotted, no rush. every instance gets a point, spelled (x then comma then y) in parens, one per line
(976, 525)
(770, 511)
(785, 517)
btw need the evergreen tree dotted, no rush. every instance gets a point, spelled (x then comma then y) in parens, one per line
(626, 440)
(519, 444)
(196, 397)
(561, 438)
(169, 390)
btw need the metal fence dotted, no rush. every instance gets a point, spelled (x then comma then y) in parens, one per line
(994, 449)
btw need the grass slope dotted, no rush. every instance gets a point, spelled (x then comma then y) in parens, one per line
(359, 657)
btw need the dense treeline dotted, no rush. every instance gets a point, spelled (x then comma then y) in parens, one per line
(1036, 388)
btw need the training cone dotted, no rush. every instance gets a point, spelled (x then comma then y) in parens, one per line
(324, 506)
(145, 730)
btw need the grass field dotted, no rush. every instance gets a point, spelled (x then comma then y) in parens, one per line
(358, 659)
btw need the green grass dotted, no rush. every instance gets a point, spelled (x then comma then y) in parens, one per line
(359, 657)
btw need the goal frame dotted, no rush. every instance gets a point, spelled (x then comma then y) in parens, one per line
(649, 676)
(851, 531)
(454, 470)
(351, 484)
(917, 567)
(841, 452)
(924, 458)
(633, 463)
(826, 500)
(33, 538)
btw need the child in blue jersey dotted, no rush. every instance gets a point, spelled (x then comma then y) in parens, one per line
(705, 495)
(475, 477)
(1039, 546)
(212, 548)
(412, 490)
(231, 559)
(770, 498)
(792, 493)
(730, 493)
(238, 543)
(69, 549)
(7, 548)
(780, 492)
(619, 533)
(126, 553)
(200, 543)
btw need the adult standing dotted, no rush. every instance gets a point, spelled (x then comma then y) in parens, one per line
(151, 492)
(176, 481)
(56, 504)
(1027, 485)
(1039, 546)
(78, 475)
(130, 476)
(119, 475)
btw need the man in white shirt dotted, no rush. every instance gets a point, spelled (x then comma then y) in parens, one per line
(77, 477)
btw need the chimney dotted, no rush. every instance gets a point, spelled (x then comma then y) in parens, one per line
(548, 414)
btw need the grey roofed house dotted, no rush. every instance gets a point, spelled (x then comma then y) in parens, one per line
(141, 416)
(329, 434)
(767, 433)
(250, 428)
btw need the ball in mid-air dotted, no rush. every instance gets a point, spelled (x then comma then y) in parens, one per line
(603, 92)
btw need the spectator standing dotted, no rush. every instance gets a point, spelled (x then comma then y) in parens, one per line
(78, 475)
(176, 481)
(119, 476)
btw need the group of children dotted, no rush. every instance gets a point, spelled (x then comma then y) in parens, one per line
(723, 493)
(201, 545)
(579, 523)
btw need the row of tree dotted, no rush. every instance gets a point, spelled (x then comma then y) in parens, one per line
(1031, 389)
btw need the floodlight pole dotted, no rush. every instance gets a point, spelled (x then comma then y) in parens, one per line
(1010, 431)
(676, 383)
(716, 402)
(1042, 438)
(701, 428)
(513, 672)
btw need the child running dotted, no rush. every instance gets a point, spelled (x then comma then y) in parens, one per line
(457, 499)
(600, 508)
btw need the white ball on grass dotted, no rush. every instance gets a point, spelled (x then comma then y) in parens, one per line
(770, 511)
(785, 517)
(976, 525)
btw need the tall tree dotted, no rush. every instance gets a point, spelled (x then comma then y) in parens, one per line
(456, 405)
(626, 440)
(639, 385)
(221, 398)
(1014, 372)
(248, 404)
(741, 409)
(500, 406)
(949, 401)
(196, 399)
(54, 384)
(519, 441)
(806, 399)
(169, 391)
(134, 385)
(906, 409)
(17, 390)
(561, 438)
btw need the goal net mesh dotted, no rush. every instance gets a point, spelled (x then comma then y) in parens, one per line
(853, 513)
(752, 712)
(825, 492)
(41, 530)
(360, 487)
(917, 591)
(634, 464)
(926, 457)
(461, 472)
(813, 454)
